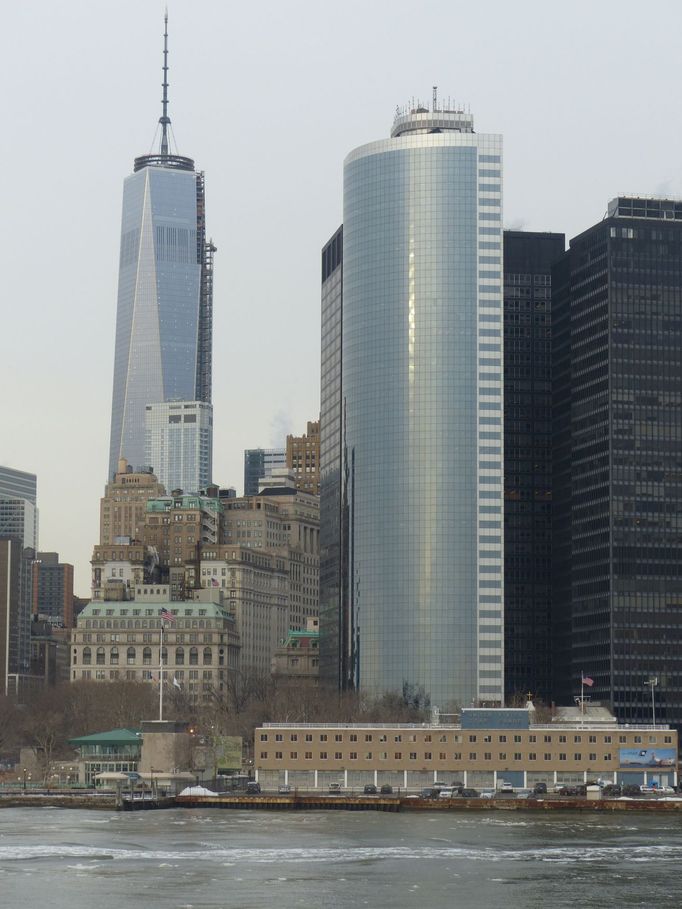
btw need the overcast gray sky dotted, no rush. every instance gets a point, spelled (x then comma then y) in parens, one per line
(268, 98)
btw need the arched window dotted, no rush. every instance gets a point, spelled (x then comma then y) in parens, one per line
(179, 656)
(113, 656)
(208, 656)
(147, 656)
(131, 656)
(87, 656)
(100, 656)
(193, 656)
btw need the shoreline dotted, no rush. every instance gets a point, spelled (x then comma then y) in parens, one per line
(109, 802)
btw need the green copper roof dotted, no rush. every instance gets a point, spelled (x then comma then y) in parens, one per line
(114, 737)
(141, 609)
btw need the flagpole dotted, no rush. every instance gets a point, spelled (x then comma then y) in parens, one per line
(161, 676)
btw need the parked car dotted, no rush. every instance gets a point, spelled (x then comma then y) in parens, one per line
(284, 789)
(252, 788)
(457, 785)
(524, 793)
(656, 789)
(428, 792)
(447, 793)
(505, 786)
(630, 790)
(487, 793)
(571, 791)
(370, 789)
(612, 791)
(386, 789)
(439, 785)
(334, 788)
(504, 794)
(469, 793)
(540, 789)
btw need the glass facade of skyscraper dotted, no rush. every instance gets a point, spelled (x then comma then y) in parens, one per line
(178, 437)
(617, 338)
(421, 400)
(159, 299)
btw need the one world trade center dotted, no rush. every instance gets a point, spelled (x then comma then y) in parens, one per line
(164, 308)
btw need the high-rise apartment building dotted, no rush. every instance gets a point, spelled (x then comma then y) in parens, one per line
(259, 463)
(179, 444)
(164, 309)
(420, 396)
(528, 259)
(18, 509)
(53, 589)
(303, 458)
(617, 345)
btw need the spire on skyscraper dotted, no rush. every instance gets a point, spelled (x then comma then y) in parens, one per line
(164, 119)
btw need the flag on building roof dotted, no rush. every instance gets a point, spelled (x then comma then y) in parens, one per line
(586, 680)
(167, 615)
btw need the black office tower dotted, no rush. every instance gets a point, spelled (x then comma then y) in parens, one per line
(528, 259)
(617, 361)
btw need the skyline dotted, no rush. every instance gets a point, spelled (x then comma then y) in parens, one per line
(275, 173)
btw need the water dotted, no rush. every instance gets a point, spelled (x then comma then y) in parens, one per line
(181, 859)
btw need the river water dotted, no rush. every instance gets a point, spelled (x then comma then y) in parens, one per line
(189, 859)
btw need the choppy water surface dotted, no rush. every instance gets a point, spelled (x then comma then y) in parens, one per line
(199, 859)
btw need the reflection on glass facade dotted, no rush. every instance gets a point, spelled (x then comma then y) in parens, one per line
(334, 639)
(617, 339)
(421, 447)
(528, 258)
(158, 312)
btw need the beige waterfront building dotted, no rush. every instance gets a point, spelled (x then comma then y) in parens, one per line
(122, 640)
(483, 749)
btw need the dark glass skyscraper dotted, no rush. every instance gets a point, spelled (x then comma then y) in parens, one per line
(617, 345)
(164, 309)
(528, 258)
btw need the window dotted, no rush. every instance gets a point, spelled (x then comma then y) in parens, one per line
(487, 756)
(263, 755)
(279, 737)
(293, 737)
(353, 755)
(179, 656)
(193, 656)
(398, 755)
(147, 656)
(323, 755)
(427, 756)
(517, 739)
(338, 756)
(532, 738)
(309, 737)
(592, 739)
(323, 738)
(398, 738)
(607, 739)
(457, 756)
(353, 737)
(87, 656)
(548, 757)
(547, 738)
(562, 756)
(472, 755)
(100, 656)
(113, 656)
(208, 656)
(368, 738)
(472, 738)
(503, 738)
(638, 740)
(517, 755)
(577, 756)
(278, 755)
(413, 755)
(308, 755)
(532, 756)
(503, 756)
(338, 738)
(264, 737)
(592, 757)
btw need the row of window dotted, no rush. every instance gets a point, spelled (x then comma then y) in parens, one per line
(131, 656)
(428, 756)
(459, 738)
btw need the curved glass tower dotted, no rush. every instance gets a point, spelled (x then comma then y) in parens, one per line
(164, 309)
(421, 395)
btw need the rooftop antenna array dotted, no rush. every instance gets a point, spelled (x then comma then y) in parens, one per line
(164, 120)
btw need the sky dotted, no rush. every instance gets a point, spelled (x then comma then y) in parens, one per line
(268, 98)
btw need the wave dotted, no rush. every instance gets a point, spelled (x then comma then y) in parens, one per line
(559, 854)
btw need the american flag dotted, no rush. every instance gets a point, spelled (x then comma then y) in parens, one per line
(587, 681)
(167, 615)
(214, 582)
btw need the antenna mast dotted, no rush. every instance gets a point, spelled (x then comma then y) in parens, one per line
(164, 120)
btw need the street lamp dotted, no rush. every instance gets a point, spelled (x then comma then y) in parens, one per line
(25, 771)
(652, 683)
